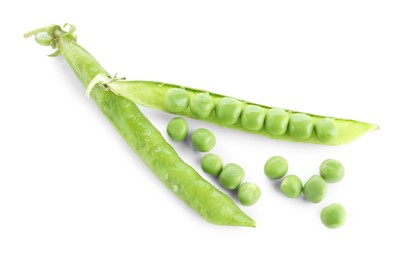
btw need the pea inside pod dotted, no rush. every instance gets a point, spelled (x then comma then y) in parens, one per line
(202, 104)
(301, 126)
(252, 117)
(228, 110)
(326, 129)
(176, 100)
(276, 121)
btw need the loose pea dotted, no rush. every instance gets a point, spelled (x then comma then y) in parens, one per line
(252, 117)
(177, 129)
(276, 121)
(228, 110)
(248, 193)
(231, 176)
(276, 167)
(202, 105)
(291, 186)
(300, 126)
(332, 170)
(315, 189)
(212, 164)
(203, 140)
(333, 216)
(176, 100)
(326, 129)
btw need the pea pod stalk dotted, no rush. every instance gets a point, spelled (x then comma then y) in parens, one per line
(276, 123)
(213, 205)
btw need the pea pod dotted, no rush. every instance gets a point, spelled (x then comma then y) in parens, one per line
(242, 115)
(213, 205)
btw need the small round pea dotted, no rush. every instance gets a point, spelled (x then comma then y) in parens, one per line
(315, 189)
(332, 170)
(212, 164)
(231, 176)
(291, 186)
(176, 100)
(252, 117)
(326, 129)
(248, 193)
(276, 121)
(203, 140)
(202, 105)
(177, 129)
(228, 110)
(333, 216)
(276, 167)
(301, 126)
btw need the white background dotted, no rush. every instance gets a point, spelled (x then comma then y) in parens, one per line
(70, 188)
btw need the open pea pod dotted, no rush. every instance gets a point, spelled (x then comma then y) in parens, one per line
(238, 114)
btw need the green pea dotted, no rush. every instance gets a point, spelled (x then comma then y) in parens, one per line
(228, 110)
(276, 167)
(326, 129)
(177, 129)
(332, 170)
(202, 105)
(252, 117)
(248, 194)
(203, 140)
(231, 176)
(333, 216)
(291, 186)
(276, 121)
(315, 189)
(212, 164)
(301, 126)
(176, 100)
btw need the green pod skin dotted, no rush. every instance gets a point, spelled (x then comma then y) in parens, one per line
(152, 94)
(180, 178)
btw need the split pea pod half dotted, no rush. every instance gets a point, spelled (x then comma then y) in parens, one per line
(242, 115)
(213, 205)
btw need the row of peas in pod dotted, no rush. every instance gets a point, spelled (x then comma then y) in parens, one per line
(230, 176)
(252, 117)
(314, 190)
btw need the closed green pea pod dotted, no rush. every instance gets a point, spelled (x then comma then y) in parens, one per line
(326, 129)
(176, 100)
(252, 117)
(228, 110)
(202, 104)
(276, 121)
(301, 126)
(179, 177)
